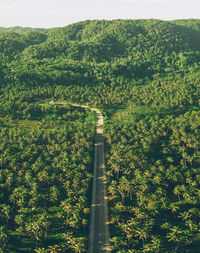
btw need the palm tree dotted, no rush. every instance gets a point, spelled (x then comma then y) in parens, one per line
(78, 244)
(40, 250)
(54, 249)
(6, 211)
(175, 234)
(3, 236)
(34, 229)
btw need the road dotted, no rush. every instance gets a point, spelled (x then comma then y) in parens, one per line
(99, 222)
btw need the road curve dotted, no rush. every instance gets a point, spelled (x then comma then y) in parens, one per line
(99, 234)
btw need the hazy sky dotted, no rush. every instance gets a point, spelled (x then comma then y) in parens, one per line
(52, 13)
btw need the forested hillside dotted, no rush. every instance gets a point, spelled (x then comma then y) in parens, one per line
(145, 77)
(20, 30)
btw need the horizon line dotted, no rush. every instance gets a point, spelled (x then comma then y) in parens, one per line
(169, 20)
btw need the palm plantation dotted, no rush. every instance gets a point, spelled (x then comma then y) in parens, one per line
(144, 77)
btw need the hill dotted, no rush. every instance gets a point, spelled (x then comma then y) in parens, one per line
(109, 56)
(21, 30)
(119, 49)
(100, 41)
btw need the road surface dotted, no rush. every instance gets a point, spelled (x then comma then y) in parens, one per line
(99, 222)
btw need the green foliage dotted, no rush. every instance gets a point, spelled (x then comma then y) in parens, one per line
(12, 44)
(21, 30)
(45, 176)
(153, 172)
(144, 75)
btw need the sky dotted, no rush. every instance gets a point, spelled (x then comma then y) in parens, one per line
(55, 13)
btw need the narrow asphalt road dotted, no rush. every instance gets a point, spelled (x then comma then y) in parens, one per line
(99, 222)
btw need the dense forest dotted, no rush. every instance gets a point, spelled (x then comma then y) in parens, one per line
(145, 77)
(46, 170)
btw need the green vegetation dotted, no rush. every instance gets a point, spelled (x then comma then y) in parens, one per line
(153, 172)
(21, 30)
(145, 77)
(45, 176)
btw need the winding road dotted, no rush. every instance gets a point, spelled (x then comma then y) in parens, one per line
(99, 222)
